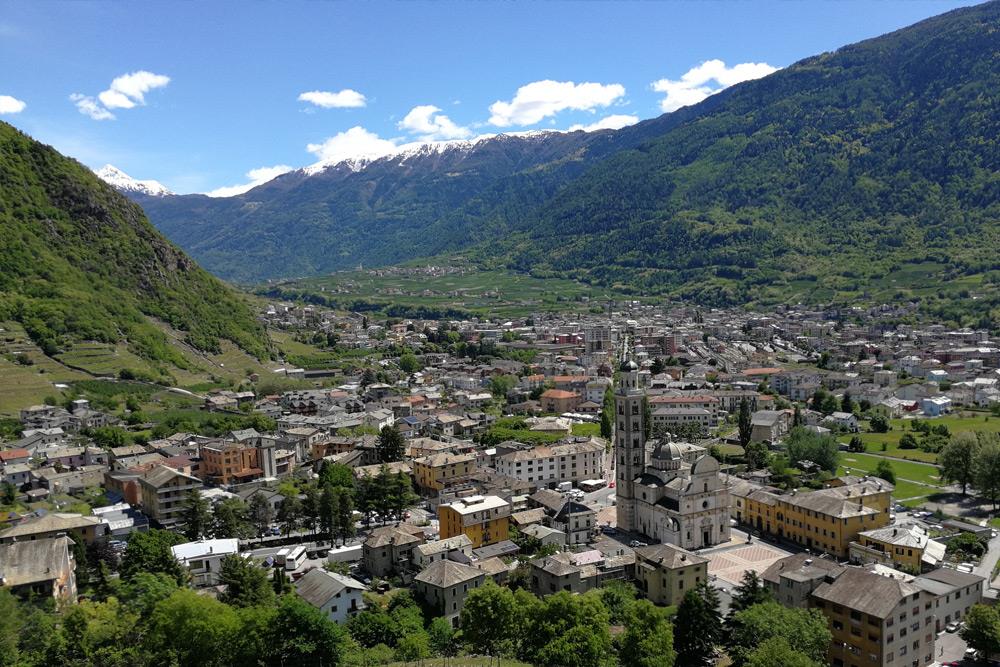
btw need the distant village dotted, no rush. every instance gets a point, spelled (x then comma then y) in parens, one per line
(554, 452)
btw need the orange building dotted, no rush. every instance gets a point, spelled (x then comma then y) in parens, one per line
(228, 462)
(559, 400)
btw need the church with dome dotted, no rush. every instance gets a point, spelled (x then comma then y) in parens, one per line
(670, 492)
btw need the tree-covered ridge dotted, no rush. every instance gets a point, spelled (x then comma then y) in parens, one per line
(78, 261)
(819, 179)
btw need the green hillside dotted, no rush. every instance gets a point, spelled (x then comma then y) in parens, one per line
(80, 262)
(868, 173)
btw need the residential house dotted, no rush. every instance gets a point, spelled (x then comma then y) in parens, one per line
(54, 524)
(954, 593)
(664, 572)
(769, 425)
(39, 569)
(437, 471)
(559, 400)
(876, 620)
(445, 584)
(337, 596)
(162, 491)
(550, 465)
(204, 558)
(904, 546)
(389, 549)
(458, 548)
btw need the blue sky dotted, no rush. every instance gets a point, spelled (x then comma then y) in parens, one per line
(203, 93)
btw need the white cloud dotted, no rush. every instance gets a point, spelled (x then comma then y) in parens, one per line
(88, 106)
(428, 124)
(257, 176)
(125, 92)
(613, 122)
(356, 142)
(10, 104)
(345, 98)
(541, 99)
(696, 84)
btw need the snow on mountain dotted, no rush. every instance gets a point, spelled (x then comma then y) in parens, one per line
(119, 180)
(404, 152)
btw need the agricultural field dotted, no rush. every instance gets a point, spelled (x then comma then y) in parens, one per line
(469, 291)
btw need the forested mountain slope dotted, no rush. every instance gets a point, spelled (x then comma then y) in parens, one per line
(819, 180)
(79, 261)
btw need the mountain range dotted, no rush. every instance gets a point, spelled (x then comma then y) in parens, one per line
(80, 262)
(871, 170)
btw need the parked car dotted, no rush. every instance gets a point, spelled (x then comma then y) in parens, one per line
(275, 530)
(268, 562)
(635, 544)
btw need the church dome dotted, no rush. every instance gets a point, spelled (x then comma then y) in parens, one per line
(667, 451)
(629, 366)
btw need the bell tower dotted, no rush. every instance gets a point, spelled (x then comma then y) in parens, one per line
(630, 442)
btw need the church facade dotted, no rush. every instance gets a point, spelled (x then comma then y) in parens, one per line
(659, 493)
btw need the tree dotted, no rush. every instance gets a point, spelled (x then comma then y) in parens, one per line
(390, 444)
(797, 416)
(261, 513)
(657, 366)
(698, 626)
(878, 424)
(745, 422)
(149, 551)
(805, 445)
(805, 630)
(10, 628)
(884, 471)
(749, 592)
(188, 629)
(345, 515)
(847, 404)
(776, 652)
(856, 444)
(986, 469)
(289, 514)
(300, 634)
(568, 631)
(442, 637)
(246, 583)
(279, 580)
(907, 441)
(649, 638)
(412, 647)
(757, 455)
(401, 494)
(231, 519)
(982, 629)
(197, 516)
(608, 414)
(408, 363)
(489, 620)
(501, 385)
(967, 544)
(310, 508)
(329, 507)
(336, 474)
(957, 459)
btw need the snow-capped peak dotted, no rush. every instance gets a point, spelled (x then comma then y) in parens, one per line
(119, 180)
(403, 152)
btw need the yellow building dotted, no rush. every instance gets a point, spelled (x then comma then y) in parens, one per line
(438, 471)
(484, 519)
(664, 573)
(905, 546)
(824, 520)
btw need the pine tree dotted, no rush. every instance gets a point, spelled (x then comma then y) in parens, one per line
(280, 580)
(697, 627)
(745, 422)
(197, 516)
(390, 444)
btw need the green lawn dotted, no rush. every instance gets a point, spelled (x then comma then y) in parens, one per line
(911, 470)
(585, 429)
(956, 424)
